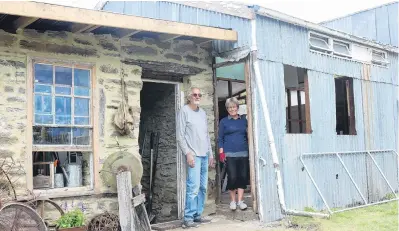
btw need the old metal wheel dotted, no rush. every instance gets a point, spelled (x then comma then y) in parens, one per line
(47, 209)
(20, 217)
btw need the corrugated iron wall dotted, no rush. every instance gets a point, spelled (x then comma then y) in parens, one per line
(281, 43)
(186, 14)
(378, 24)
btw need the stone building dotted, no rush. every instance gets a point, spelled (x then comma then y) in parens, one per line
(61, 70)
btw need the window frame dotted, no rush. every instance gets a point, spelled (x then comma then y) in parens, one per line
(350, 98)
(93, 126)
(303, 118)
(342, 42)
(322, 50)
(383, 63)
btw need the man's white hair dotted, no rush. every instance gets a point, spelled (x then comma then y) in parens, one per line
(190, 93)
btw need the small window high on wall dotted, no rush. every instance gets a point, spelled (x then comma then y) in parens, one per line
(297, 100)
(345, 108)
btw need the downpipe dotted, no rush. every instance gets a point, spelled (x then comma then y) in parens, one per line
(272, 145)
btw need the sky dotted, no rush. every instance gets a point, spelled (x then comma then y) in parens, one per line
(311, 10)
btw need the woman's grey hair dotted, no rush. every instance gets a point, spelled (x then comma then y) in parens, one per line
(232, 100)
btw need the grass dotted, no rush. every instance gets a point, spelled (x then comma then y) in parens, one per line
(382, 217)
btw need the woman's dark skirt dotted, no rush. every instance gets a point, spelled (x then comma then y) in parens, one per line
(237, 172)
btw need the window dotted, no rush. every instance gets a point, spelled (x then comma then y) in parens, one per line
(297, 100)
(342, 49)
(62, 100)
(62, 126)
(379, 58)
(345, 108)
(318, 42)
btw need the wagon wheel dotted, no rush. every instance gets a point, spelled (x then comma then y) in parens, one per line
(20, 217)
(47, 209)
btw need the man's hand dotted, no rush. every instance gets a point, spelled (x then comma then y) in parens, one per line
(211, 162)
(190, 160)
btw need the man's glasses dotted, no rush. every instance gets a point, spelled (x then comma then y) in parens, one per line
(197, 95)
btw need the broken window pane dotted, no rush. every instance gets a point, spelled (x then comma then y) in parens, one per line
(63, 76)
(39, 88)
(81, 136)
(81, 107)
(63, 90)
(82, 77)
(51, 136)
(43, 73)
(62, 110)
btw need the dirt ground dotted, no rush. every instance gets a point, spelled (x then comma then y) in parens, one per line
(219, 223)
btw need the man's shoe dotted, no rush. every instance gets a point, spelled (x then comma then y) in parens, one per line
(189, 224)
(242, 205)
(201, 220)
(233, 205)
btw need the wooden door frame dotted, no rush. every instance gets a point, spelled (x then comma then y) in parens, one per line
(252, 165)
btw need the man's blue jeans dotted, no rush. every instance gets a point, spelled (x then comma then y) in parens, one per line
(196, 185)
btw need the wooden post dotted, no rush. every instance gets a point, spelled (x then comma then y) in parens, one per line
(126, 210)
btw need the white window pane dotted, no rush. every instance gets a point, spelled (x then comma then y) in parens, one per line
(82, 77)
(39, 88)
(63, 90)
(43, 104)
(341, 48)
(51, 136)
(82, 91)
(81, 136)
(82, 121)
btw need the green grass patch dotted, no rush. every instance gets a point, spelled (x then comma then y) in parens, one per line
(383, 217)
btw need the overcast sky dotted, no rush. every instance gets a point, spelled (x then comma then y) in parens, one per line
(310, 10)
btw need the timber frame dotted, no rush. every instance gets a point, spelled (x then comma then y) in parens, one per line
(77, 20)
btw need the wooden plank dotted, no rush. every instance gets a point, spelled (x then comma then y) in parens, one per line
(250, 133)
(23, 22)
(126, 211)
(298, 96)
(168, 37)
(307, 105)
(79, 28)
(95, 110)
(128, 33)
(61, 148)
(289, 110)
(137, 200)
(29, 126)
(216, 128)
(101, 18)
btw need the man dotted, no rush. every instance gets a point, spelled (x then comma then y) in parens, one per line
(193, 139)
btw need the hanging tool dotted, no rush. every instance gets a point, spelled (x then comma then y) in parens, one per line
(154, 144)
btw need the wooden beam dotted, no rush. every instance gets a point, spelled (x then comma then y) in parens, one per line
(128, 33)
(23, 22)
(168, 37)
(107, 19)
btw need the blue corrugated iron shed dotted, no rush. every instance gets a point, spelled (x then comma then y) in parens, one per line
(376, 110)
(379, 24)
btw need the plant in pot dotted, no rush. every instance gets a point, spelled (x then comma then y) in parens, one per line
(71, 221)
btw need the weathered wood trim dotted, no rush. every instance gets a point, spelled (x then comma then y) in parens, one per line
(307, 105)
(125, 195)
(216, 127)
(252, 158)
(95, 110)
(101, 18)
(23, 22)
(29, 124)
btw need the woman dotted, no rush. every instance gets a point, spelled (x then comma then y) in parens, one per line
(233, 149)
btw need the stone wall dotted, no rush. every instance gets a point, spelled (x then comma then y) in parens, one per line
(158, 114)
(108, 55)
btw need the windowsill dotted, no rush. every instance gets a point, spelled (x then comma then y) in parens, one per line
(63, 192)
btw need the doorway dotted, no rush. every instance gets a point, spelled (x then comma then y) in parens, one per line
(232, 80)
(158, 148)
